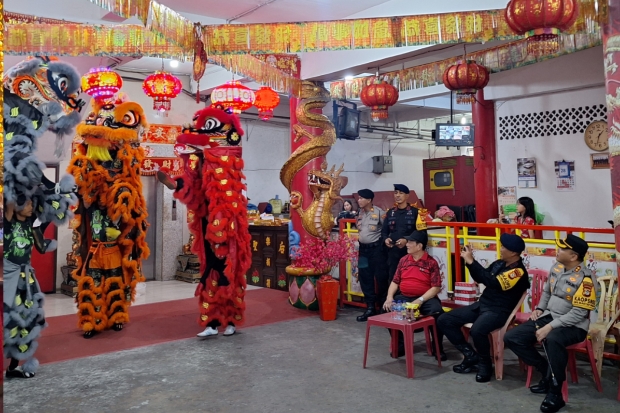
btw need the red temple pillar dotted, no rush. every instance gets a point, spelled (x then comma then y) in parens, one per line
(611, 50)
(300, 181)
(485, 160)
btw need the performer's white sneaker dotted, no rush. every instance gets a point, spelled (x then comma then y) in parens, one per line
(230, 330)
(209, 331)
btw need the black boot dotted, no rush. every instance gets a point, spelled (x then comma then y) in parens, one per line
(485, 369)
(469, 363)
(554, 401)
(543, 385)
(370, 311)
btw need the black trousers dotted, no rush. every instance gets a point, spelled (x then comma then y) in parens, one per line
(372, 266)
(432, 306)
(394, 256)
(521, 341)
(484, 323)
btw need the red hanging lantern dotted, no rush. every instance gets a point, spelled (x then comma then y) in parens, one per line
(466, 78)
(162, 87)
(234, 96)
(379, 97)
(541, 21)
(266, 100)
(101, 83)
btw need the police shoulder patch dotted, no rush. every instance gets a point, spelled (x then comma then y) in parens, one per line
(510, 278)
(585, 297)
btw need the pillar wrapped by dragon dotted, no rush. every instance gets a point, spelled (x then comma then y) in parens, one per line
(40, 95)
(212, 188)
(324, 184)
(111, 218)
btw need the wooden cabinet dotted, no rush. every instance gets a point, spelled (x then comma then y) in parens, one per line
(270, 257)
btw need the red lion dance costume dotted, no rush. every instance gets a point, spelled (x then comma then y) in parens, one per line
(111, 216)
(211, 187)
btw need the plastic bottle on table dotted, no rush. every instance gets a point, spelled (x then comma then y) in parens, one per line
(393, 309)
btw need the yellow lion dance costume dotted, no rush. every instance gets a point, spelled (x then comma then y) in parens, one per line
(111, 216)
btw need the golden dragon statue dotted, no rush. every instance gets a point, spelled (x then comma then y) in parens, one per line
(325, 185)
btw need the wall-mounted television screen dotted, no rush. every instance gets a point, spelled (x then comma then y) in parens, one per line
(454, 134)
(348, 126)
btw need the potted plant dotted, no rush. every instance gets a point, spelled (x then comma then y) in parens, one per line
(311, 286)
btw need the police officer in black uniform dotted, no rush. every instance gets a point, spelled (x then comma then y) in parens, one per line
(400, 222)
(505, 280)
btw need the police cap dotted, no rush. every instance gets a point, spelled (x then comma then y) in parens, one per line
(366, 193)
(574, 243)
(401, 188)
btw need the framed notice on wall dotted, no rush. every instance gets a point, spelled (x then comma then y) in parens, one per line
(565, 176)
(526, 169)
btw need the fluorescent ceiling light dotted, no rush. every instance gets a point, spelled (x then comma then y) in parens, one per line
(174, 63)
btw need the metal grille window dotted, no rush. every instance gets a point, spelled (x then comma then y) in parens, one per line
(550, 123)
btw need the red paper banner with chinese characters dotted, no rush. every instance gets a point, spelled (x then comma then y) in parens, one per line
(161, 134)
(172, 166)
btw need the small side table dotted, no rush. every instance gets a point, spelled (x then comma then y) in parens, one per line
(407, 328)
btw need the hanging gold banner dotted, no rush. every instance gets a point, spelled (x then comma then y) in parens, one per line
(497, 59)
(87, 40)
(261, 72)
(126, 8)
(171, 25)
(473, 26)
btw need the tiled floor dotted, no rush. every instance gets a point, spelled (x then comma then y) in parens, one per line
(151, 292)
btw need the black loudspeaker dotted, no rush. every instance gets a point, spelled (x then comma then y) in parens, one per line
(433, 134)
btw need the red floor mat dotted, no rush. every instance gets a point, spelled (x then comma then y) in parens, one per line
(156, 323)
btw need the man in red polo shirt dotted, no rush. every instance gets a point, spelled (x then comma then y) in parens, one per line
(419, 280)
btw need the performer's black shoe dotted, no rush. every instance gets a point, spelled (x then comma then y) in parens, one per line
(117, 327)
(19, 373)
(370, 311)
(542, 387)
(552, 403)
(89, 334)
(485, 370)
(469, 362)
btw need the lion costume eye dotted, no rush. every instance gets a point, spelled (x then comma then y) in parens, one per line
(211, 124)
(130, 119)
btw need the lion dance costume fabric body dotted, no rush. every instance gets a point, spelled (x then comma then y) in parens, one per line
(39, 95)
(211, 187)
(111, 217)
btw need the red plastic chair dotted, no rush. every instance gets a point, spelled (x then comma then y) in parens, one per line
(572, 368)
(497, 339)
(539, 278)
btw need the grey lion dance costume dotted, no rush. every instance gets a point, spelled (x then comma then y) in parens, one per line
(39, 95)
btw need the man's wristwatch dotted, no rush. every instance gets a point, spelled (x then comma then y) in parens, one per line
(421, 298)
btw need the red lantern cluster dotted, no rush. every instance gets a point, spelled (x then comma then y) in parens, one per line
(466, 78)
(379, 97)
(101, 83)
(541, 21)
(162, 87)
(266, 101)
(234, 96)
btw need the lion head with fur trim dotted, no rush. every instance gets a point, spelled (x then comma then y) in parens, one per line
(210, 127)
(111, 125)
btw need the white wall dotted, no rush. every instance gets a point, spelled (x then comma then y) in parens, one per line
(590, 205)
(407, 159)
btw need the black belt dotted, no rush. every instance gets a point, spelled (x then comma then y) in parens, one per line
(371, 245)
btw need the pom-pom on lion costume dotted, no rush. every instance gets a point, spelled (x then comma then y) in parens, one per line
(111, 216)
(212, 187)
